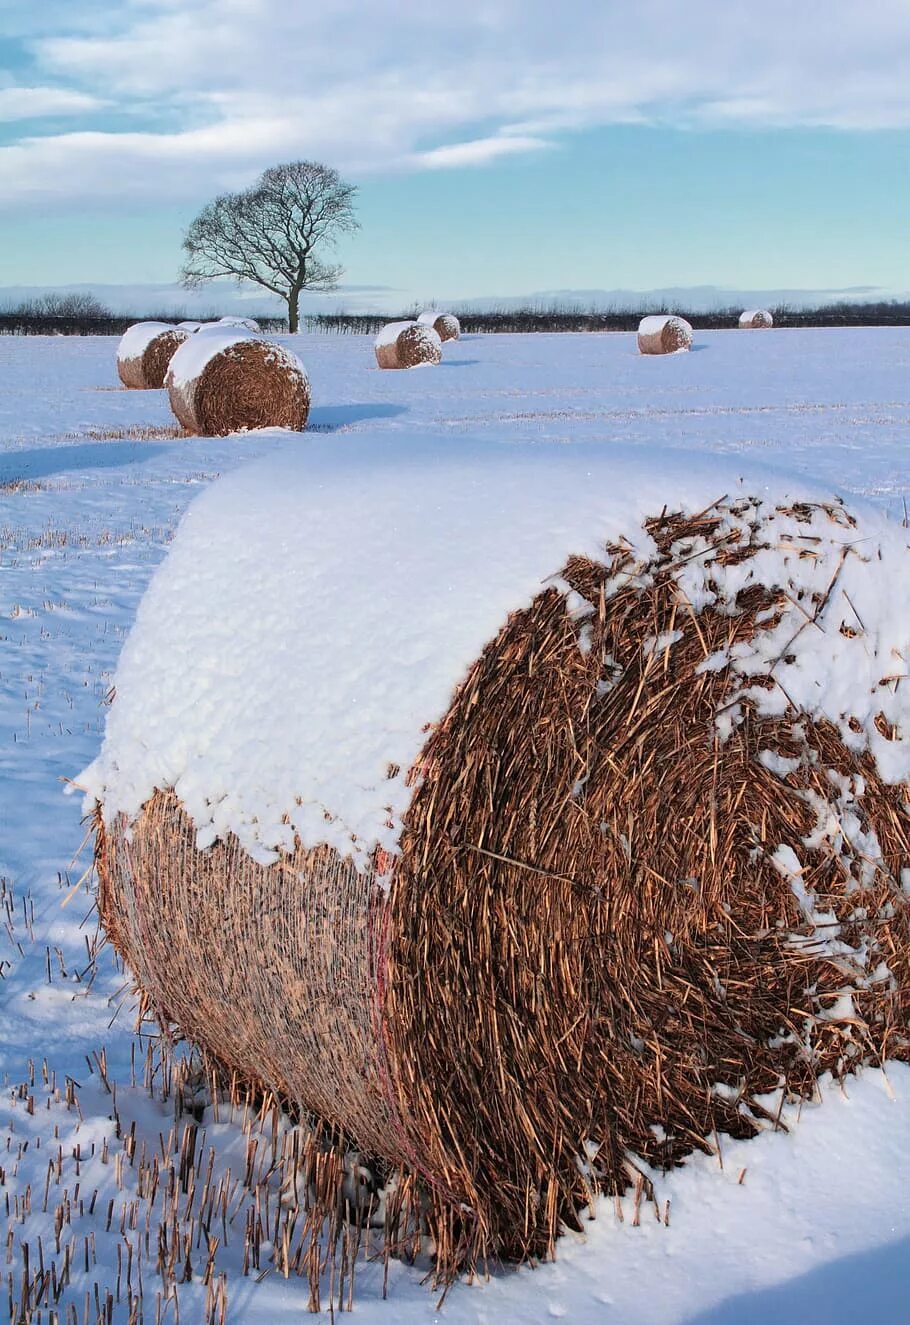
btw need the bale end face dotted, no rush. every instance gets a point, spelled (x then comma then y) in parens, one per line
(447, 327)
(158, 354)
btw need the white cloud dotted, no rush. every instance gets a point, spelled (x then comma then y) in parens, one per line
(28, 103)
(221, 88)
(477, 152)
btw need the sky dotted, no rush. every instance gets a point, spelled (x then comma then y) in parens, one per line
(500, 147)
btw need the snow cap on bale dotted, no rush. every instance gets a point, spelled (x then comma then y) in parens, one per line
(756, 318)
(144, 352)
(249, 323)
(407, 345)
(664, 333)
(554, 808)
(189, 326)
(226, 379)
(446, 325)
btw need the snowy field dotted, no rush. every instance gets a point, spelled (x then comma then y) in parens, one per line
(808, 1225)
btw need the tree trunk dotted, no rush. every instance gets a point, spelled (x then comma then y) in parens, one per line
(293, 318)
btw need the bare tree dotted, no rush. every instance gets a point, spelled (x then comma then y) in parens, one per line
(270, 233)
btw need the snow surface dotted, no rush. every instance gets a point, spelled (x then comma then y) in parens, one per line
(376, 572)
(135, 339)
(809, 1226)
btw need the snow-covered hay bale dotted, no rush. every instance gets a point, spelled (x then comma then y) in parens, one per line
(756, 319)
(227, 380)
(190, 326)
(664, 333)
(446, 325)
(247, 323)
(144, 353)
(555, 811)
(407, 345)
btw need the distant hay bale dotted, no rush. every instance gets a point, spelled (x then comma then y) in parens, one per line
(756, 318)
(248, 323)
(407, 345)
(144, 353)
(446, 325)
(227, 380)
(664, 333)
(635, 887)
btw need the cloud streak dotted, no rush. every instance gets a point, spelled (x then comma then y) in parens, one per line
(30, 103)
(202, 97)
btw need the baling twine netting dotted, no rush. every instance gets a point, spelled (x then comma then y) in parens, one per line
(591, 943)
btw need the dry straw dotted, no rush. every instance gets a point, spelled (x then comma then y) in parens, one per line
(664, 334)
(145, 352)
(588, 946)
(756, 319)
(407, 345)
(246, 383)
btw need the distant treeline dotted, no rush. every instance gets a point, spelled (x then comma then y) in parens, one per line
(82, 314)
(48, 324)
(34, 320)
(890, 313)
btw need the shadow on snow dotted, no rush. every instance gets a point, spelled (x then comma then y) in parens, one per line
(871, 1285)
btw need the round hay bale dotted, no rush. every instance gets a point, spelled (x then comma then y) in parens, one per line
(615, 850)
(756, 319)
(247, 323)
(446, 325)
(228, 380)
(664, 333)
(407, 345)
(144, 353)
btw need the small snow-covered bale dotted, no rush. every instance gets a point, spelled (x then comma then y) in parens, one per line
(248, 323)
(144, 353)
(226, 380)
(558, 808)
(664, 333)
(446, 325)
(407, 345)
(756, 318)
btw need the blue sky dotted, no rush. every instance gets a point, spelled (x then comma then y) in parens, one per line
(500, 146)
